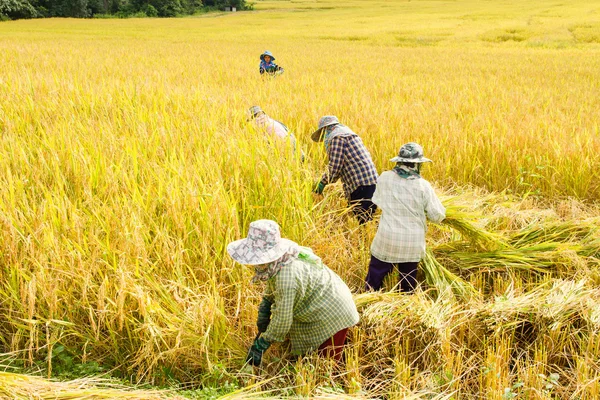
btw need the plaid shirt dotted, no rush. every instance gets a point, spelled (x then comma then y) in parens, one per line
(406, 205)
(350, 160)
(311, 303)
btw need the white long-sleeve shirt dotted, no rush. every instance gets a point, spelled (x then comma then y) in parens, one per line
(406, 205)
(275, 128)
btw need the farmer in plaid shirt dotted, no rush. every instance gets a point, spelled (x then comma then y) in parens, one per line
(303, 298)
(406, 201)
(349, 160)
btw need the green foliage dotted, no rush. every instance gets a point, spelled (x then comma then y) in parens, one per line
(66, 364)
(15, 9)
(512, 392)
(150, 11)
(220, 4)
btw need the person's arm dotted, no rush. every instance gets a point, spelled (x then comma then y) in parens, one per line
(336, 153)
(282, 310)
(434, 209)
(264, 315)
(377, 194)
(261, 68)
(268, 294)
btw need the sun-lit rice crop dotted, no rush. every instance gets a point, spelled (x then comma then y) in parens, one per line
(127, 165)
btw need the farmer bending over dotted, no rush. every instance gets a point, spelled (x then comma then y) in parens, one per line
(406, 201)
(302, 298)
(272, 127)
(349, 160)
(267, 66)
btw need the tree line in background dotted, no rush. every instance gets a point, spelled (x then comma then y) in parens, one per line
(18, 9)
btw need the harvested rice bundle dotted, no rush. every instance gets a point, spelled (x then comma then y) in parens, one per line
(591, 249)
(442, 279)
(19, 386)
(541, 258)
(559, 232)
(363, 300)
(464, 223)
(551, 307)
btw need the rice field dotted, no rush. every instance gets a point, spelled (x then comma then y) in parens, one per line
(127, 165)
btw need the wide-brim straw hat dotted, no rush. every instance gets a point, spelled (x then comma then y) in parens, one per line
(324, 122)
(263, 245)
(411, 153)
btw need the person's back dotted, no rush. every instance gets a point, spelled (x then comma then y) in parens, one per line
(406, 204)
(271, 126)
(407, 201)
(321, 302)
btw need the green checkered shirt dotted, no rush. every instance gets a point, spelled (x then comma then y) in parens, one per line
(310, 302)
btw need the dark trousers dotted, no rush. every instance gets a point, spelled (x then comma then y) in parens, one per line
(362, 206)
(379, 269)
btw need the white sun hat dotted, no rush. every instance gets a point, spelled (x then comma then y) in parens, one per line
(263, 245)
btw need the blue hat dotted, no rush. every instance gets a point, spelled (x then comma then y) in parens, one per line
(267, 53)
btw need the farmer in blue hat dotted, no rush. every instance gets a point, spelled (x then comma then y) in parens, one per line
(268, 66)
(406, 201)
(350, 161)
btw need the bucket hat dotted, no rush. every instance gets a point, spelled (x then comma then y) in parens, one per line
(253, 112)
(411, 153)
(263, 245)
(324, 122)
(267, 53)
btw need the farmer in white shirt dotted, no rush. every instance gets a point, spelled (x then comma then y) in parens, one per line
(406, 201)
(272, 127)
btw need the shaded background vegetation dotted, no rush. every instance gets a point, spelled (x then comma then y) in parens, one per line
(19, 9)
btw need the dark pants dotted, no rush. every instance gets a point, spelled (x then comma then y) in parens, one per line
(379, 269)
(334, 346)
(362, 206)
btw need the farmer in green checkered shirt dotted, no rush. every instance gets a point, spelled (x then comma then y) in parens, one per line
(303, 298)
